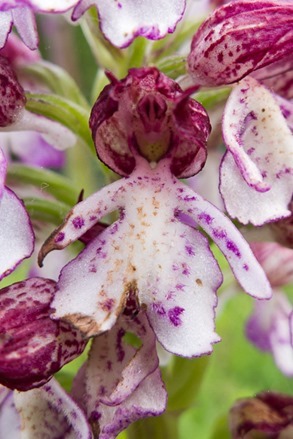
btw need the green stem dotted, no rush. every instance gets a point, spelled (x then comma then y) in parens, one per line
(45, 210)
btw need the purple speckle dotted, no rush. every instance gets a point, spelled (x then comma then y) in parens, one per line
(233, 247)
(186, 269)
(245, 266)
(174, 315)
(78, 222)
(189, 250)
(159, 309)
(93, 218)
(60, 237)
(180, 287)
(206, 217)
(219, 233)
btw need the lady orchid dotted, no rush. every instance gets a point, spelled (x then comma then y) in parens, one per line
(148, 130)
(238, 39)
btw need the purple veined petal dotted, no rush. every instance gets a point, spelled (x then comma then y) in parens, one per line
(84, 216)
(31, 148)
(257, 135)
(16, 238)
(5, 26)
(226, 236)
(120, 383)
(48, 412)
(238, 38)
(25, 23)
(115, 368)
(251, 206)
(9, 418)
(53, 132)
(124, 20)
(269, 329)
(258, 166)
(3, 169)
(276, 260)
(33, 346)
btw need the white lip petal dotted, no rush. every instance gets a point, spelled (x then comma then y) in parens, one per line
(16, 238)
(122, 21)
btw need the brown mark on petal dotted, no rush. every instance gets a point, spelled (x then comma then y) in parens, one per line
(85, 324)
(199, 282)
(54, 241)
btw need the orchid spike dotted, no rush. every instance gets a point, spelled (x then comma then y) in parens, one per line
(139, 132)
(33, 346)
(16, 237)
(121, 382)
(124, 20)
(239, 38)
(47, 412)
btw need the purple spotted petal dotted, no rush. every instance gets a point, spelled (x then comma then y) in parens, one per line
(269, 329)
(239, 38)
(121, 383)
(124, 20)
(147, 114)
(243, 263)
(49, 412)
(25, 23)
(259, 164)
(12, 95)
(33, 346)
(277, 262)
(16, 238)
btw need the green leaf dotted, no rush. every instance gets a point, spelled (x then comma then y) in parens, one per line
(46, 181)
(57, 79)
(62, 110)
(45, 210)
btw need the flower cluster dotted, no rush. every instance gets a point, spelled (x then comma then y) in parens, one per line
(143, 272)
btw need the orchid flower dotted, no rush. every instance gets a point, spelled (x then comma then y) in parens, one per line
(121, 382)
(47, 412)
(148, 130)
(235, 41)
(269, 326)
(33, 346)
